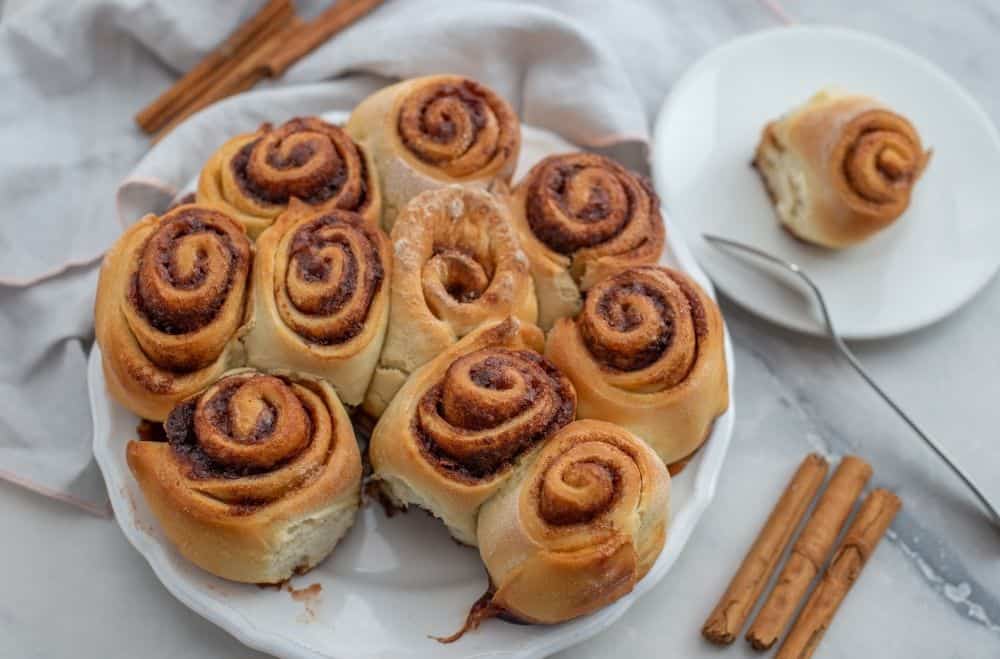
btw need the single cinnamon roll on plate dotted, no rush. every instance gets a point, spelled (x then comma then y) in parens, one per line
(254, 176)
(457, 264)
(259, 478)
(582, 216)
(647, 352)
(462, 423)
(840, 168)
(577, 527)
(171, 304)
(427, 132)
(321, 297)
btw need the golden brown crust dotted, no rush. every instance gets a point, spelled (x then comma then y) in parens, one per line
(321, 292)
(427, 132)
(457, 264)
(578, 526)
(856, 163)
(171, 302)
(457, 428)
(647, 352)
(254, 176)
(582, 217)
(244, 461)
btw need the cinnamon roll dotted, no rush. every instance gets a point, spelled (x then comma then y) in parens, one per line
(582, 216)
(840, 168)
(171, 304)
(647, 352)
(253, 176)
(578, 527)
(457, 264)
(427, 132)
(321, 297)
(259, 476)
(458, 427)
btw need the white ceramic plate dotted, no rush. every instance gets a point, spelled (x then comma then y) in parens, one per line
(391, 582)
(925, 266)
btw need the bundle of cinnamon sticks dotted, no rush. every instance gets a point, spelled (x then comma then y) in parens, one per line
(262, 47)
(807, 557)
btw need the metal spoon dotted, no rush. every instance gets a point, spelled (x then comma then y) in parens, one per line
(838, 342)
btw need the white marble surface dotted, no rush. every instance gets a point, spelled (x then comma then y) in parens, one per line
(74, 587)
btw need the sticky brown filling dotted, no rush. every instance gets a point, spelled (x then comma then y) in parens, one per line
(180, 434)
(323, 188)
(551, 184)
(487, 464)
(175, 321)
(474, 99)
(559, 514)
(623, 318)
(355, 282)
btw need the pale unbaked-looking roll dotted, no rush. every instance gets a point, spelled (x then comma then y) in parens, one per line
(457, 263)
(647, 352)
(259, 478)
(581, 217)
(321, 297)
(840, 168)
(254, 176)
(171, 304)
(577, 527)
(462, 423)
(427, 132)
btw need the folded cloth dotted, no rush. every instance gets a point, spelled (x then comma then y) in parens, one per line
(74, 74)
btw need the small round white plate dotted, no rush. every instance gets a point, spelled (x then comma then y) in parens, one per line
(390, 583)
(926, 265)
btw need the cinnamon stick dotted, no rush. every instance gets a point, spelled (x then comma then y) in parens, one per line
(273, 17)
(875, 516)
(810, 551)
(726, 620)
(341, 15)
(233, 78)
(271, 55)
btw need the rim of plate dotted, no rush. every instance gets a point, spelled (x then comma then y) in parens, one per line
(558, 637)
(828, 31)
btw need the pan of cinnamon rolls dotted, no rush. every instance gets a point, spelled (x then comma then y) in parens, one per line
(529, 369)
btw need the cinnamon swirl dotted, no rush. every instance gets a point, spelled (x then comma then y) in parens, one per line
(647, 352)
(581, 217)
(460, 424)
(578, 527)
(427, 132)
(253, 176)
(259, 478)
(457, 264)
(171, 302)
(840, 168)
(321, 297)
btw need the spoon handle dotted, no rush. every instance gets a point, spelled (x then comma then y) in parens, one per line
(853, 361)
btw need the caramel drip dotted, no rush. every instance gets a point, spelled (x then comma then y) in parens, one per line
(491, 406)
(251, 438)
(305, 158)
(194, 264)
(880, 157)
(644, 319)
(460, 127)
(581, 200)
(332, 273)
